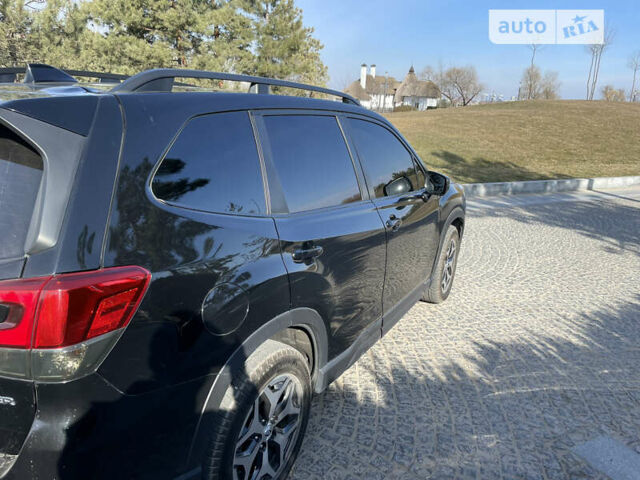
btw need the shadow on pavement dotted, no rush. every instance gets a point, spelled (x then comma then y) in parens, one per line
(501, 410)
(609, 221)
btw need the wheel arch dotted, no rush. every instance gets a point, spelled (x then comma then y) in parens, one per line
(304, 320)
(456, 218)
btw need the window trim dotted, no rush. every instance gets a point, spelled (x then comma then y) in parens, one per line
(175, 208)
(276, 192)
(412, 154)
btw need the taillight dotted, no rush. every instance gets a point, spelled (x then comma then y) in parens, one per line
(66, 315)
(19, 300)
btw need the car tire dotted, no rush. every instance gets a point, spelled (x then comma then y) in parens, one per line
(442, 277)
(264, 412)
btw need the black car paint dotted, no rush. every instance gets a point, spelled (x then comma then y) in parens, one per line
(138, 414)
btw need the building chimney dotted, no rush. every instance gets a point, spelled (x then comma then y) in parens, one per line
(363, 75)
(373, 70)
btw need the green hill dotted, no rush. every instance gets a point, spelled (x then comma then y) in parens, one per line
(530, 140)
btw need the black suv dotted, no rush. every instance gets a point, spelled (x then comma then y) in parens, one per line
(182, 269)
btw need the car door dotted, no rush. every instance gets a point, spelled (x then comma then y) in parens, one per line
(396, 185)
(332, 238)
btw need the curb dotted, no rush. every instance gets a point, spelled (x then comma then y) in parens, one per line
(547, 186)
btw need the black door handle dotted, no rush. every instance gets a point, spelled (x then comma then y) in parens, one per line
(394, 223)
(301, 255)
(421, 195)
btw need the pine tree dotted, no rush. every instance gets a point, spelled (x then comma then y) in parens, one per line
(261, 37)
(132, 35)
(58, 33)
(15, 29)
(284, 48)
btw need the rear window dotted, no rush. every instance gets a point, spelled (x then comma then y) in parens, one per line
(213, 166)
(311, 162)
(21, 170)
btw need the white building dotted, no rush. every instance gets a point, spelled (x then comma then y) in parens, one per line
(385, 93)
(419, 94)
(374, 93)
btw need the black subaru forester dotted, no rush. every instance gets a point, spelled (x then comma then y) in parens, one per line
(182, 269)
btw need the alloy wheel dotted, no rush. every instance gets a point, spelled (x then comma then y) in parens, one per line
(270, 430)
(449, 265)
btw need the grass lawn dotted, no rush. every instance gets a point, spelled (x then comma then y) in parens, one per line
(531, 140)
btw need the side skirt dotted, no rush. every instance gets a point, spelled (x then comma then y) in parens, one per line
(402, 307)
(338, 365)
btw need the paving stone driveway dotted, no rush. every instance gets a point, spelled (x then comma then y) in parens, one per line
(536, 350)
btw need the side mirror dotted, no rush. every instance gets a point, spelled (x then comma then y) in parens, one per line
(436, 184)
(398, 186)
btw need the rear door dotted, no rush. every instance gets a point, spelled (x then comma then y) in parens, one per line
(396, 185)
(332, 238)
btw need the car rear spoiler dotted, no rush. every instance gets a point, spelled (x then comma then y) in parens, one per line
(40, 73)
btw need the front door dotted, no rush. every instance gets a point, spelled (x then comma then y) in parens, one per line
(396, 186)
(332, 237)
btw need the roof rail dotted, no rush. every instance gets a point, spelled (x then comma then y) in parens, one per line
(41, 73)
(161, 80)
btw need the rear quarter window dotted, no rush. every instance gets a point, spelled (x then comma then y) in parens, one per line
(213, 166)
(21, 169)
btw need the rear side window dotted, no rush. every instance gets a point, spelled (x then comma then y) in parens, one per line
(311, 161)
(21, 170)
(384, 158)
(213, 166)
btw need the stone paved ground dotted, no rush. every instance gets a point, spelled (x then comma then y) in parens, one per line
(536, 350)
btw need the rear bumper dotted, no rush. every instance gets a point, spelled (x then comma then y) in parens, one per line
(88, 429)
(17, 412)
(60, 429)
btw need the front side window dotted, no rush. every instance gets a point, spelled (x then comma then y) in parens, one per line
(311, 161)
(385, 160)
(213, 166)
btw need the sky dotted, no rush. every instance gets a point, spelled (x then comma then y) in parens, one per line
(396, 34)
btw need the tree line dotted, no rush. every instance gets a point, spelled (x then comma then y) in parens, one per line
(459, 85)
(256, 37)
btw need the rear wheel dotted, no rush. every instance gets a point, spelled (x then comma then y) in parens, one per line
(442, 278)
(262, 418)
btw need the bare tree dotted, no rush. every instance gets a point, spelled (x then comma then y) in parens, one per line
(634, 64)
(550, 86)
(538, 87)
(531, 79)
(460, 85)
(596, 50)
(428, 73)
(610, 94)
(534, 47)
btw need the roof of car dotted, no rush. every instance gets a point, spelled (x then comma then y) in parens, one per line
(18, 91)
(12, 92)
(39, 77)
(161, 86)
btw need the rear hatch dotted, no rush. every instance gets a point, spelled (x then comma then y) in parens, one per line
(38, 163)
(58, 160)
(21, 174)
